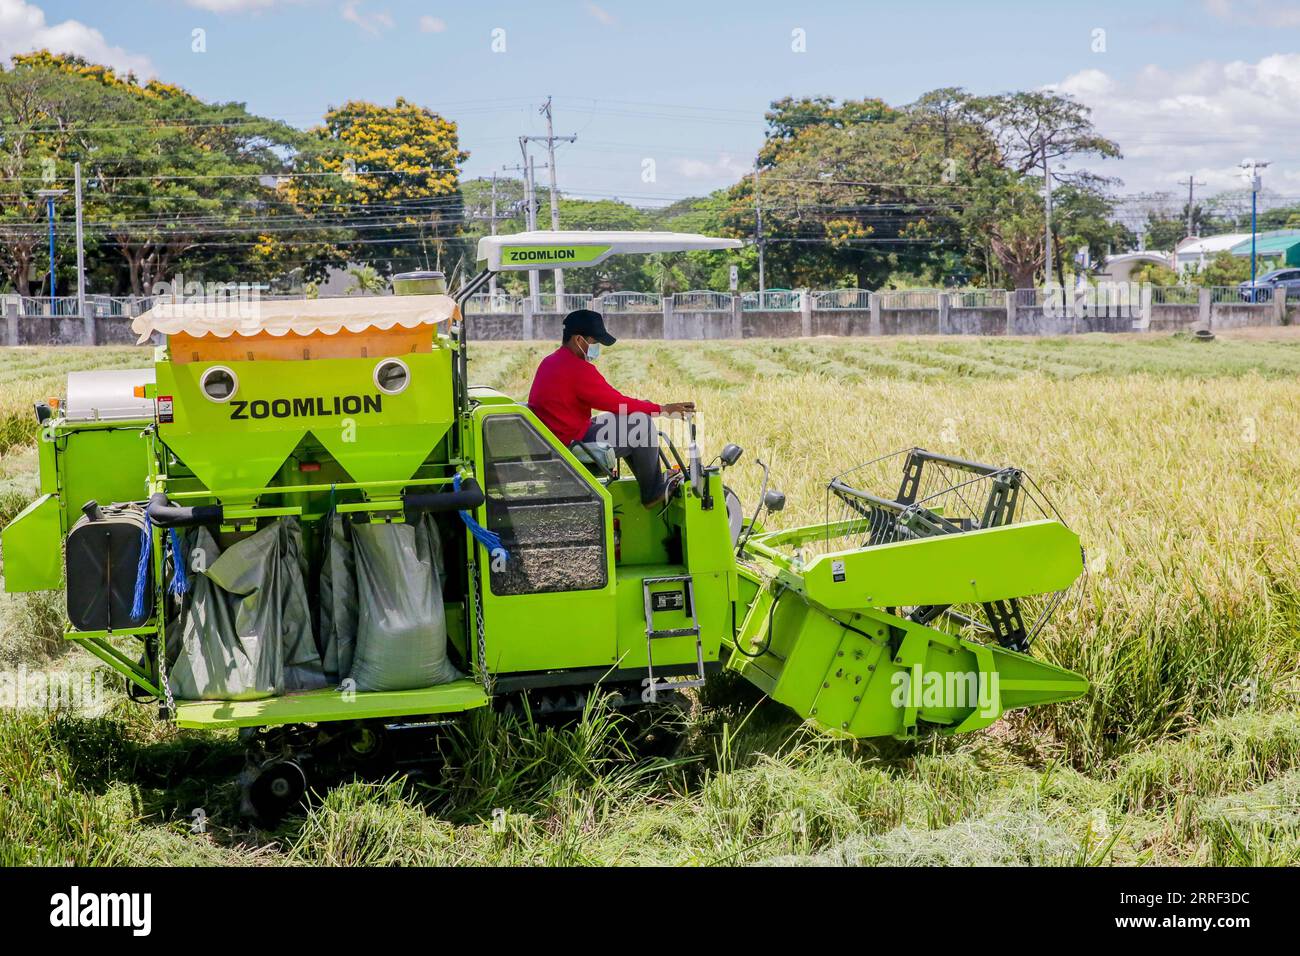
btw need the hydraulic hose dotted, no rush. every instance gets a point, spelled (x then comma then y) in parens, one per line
(466, 498)
(167, 515)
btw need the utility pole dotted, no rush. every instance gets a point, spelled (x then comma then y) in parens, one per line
(758, 234)
(49, 195)
(551, 139)
(530, 212)
(492, 282)
(1191, 186)
(88, 320)
(1252, 167)
(1047, 216)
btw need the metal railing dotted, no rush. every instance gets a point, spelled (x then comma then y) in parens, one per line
(485, 303)
(1175, 295)
(66, 306)
(838, 299)
(773, 300)
(1053, 297)
(550, 302)
(909, 299)
(632, 302)
(701, 301)
(1237, 295)
(978, 299)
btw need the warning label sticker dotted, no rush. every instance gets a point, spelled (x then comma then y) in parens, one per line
(837, 571)
(165, 409)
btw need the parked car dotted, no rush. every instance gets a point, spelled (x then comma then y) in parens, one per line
(1288, 279)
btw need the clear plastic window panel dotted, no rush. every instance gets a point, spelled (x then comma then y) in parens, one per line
(551, 521)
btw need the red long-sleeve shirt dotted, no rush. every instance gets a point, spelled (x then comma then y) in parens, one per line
(565, 390)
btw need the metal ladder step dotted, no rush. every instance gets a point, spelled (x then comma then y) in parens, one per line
(654, 685)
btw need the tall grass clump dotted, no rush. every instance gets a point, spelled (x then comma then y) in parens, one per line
(48, 817)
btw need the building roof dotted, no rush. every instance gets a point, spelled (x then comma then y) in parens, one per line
(1209, 245)
(1269, 243)
(1146, 255)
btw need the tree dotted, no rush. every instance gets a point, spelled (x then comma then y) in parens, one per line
(1082, 219)
(850, 203)
(162, 168)
(1042, 128)
(1165, 232)
(1006, 213)
(788, 118)
(366, 281)
(1151, 273)
(386, 180)
(1224, 269)
(47, 105)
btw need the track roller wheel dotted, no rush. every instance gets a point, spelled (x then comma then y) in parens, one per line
(279, 788)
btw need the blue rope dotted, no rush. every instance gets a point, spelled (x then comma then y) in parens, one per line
(489, 539)
(142, 570)
(180, 579)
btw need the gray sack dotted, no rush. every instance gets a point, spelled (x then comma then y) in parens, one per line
(244, 631)
(396, 627)
(338, 602)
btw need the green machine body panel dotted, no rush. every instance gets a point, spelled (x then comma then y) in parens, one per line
(80, 462)
(243, 441)
(330, 704)
(991, 564)
(32, 547)
(101, 463)
(830, 638)
(601, 624)
(871, 674)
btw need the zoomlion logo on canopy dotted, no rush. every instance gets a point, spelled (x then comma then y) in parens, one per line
(550, 255)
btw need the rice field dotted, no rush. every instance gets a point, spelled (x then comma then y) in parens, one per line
(1176, 462)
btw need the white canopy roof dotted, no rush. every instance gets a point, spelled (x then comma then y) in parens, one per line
(1209, 244)
(304, 317)
(574, 249)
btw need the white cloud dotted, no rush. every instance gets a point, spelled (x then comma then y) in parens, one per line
(372, 23)
(430, 24)
(235, 6)
(726, 168)
(1200, 120)
(23, 28)
(601, 15)
(1255, 12)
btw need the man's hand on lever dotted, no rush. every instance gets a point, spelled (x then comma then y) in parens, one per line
(677, 409)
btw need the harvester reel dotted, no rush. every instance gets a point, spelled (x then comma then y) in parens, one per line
(942, 495)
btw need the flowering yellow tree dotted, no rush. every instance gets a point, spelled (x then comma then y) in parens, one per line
(382, 186)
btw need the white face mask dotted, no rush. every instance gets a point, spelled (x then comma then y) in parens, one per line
(593, 351)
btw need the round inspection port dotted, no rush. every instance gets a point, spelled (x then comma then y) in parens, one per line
(392, 376)
(219, 383)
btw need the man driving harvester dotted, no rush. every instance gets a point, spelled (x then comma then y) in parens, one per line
(567, 387)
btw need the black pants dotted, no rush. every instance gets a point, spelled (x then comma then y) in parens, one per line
(635, 438)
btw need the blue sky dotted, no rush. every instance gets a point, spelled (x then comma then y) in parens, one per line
(1185, 87)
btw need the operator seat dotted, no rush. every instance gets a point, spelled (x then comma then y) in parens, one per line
(599, 457)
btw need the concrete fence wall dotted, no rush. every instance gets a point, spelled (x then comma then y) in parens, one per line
(737, 323)
(1011, 319)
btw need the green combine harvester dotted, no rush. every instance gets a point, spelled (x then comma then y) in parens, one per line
(306, 523)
